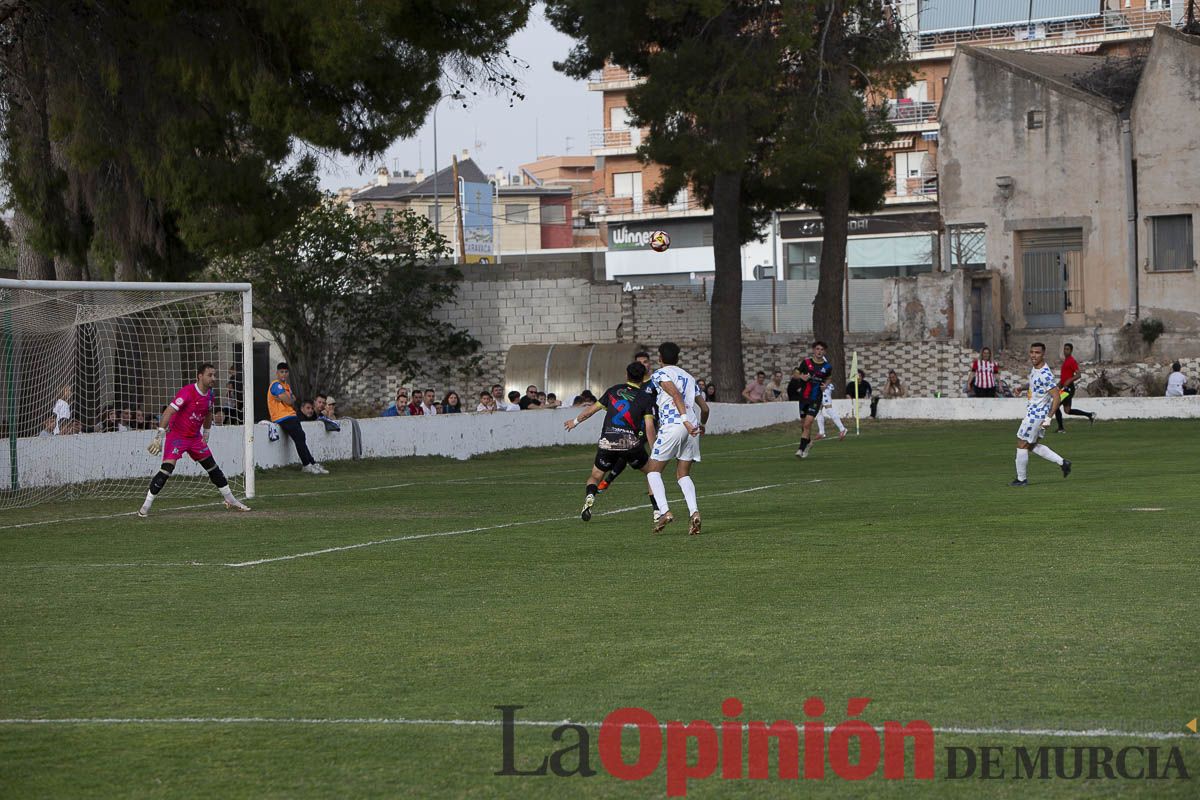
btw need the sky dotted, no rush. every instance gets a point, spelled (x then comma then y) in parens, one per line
(553, 119)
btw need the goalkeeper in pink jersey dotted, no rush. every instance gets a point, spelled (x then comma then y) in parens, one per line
(186, 424)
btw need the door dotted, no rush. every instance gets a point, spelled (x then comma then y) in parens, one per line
(976, 318)
(1051, 275)
(1044, 287)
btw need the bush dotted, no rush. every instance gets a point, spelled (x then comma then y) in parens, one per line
(1151, 329)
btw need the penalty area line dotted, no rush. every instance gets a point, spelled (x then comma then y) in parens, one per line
(1049, 733)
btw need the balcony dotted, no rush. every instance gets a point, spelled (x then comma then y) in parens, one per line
(612, 78)
(611, 209)
(1073, 35)
(614, 141)
(921, 188)
(907, 112)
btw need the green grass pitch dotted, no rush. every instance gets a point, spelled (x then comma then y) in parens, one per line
(911, 573)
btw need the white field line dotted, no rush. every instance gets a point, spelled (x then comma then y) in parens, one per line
(1056, 733)
(390, 540)
(481, 529)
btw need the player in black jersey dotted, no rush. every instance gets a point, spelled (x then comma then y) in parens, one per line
(628, 423)
(814, 373)
(643, 358)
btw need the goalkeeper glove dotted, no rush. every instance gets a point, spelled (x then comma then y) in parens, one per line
(156, 445)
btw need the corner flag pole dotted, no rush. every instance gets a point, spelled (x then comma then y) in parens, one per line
(854, 377)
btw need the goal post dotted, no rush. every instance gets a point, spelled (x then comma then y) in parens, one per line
(86, 368)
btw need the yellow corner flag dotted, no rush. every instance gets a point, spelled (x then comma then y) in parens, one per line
(1191, 726)
(854, 378)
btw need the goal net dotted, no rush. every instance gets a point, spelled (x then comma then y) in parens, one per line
(86, 369)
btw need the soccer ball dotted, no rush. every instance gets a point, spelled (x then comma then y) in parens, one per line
(660, 241)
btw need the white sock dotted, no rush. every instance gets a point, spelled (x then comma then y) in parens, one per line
(660, 491)
(227, 493)
(689, 493)
(1048, 454)
(838, 421)
(821, 425)
(1022, 464)
(149, 500)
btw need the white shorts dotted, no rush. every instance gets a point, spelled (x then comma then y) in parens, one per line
(673, 441)
(1031, 429)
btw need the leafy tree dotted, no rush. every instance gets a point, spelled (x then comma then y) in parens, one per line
(144, 135)
(345, 292)
(743, 103)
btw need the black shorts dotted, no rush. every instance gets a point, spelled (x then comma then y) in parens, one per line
(607, 460)
(810, 409)
(988, 392)
(1068, 392)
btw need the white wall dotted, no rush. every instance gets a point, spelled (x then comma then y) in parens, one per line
(1008, 408)
(58, 460)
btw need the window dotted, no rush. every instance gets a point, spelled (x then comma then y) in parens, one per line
(1159, 5)
(432, 212)
(803, 261)
(517, 213)
(890, 256)
(628, 184)
(1171, 243)
(968, 246)
(554, 214)
(1034, 119)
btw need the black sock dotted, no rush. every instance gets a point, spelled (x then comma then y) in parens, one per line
(804, 444)
(653, 502)
(592, 488)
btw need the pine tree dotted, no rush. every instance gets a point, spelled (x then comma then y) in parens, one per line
(757, 106)
(140, 136)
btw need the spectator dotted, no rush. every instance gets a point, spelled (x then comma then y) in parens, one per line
(429, 405)
(414, 405)
(126, 419)
(108, 422)
(795, 386)
(451, 404)
(776, 391)
(982, 380)
(319, 404)
(307, 412)
(62, 407)
(1177, 382)
(863, 388)
(49, 426)
(541, 396)
(514, 401)
(498, 397)
(330, 410)
(139, 420)
(529, 400)
(281, 404)
(487, 403)
(552, 401)
(398, 408)
(584, 398)
(710, 392)
(218, 417)
(70, 427)
(756, 390)
(893, 388)
(232, 403)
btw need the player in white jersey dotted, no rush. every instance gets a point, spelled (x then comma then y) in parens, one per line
(1044, 397)
(679, 430)
(827, 411)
